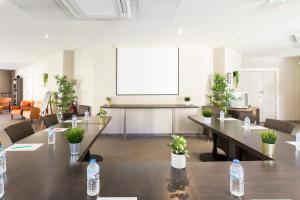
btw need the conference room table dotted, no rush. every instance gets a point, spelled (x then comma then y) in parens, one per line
(51, 172)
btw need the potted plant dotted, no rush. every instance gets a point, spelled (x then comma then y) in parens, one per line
(109, 101)
(64, 96)
(179, 152)
(45, 79)
(221, 94)
(102, 113)
(268, 138)
(207, 114)
(74, 136)
(187, 100)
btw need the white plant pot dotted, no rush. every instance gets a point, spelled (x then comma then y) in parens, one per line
(178, 161)
(207, 120)
(187, 103)
(75, 148)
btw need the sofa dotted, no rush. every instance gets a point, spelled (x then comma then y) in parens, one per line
(18, 110)
(5, 103)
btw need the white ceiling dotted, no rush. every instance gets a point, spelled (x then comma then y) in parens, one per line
(212, 22)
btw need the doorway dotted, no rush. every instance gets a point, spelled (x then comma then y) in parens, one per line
(261, 86)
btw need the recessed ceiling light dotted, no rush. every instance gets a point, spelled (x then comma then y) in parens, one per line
(180, 31)
(46, 36)
(240, 33)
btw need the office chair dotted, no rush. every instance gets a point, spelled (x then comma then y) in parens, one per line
(50, 120)
(82, 109)
(243, 115)
(279, 125)
(19, 131)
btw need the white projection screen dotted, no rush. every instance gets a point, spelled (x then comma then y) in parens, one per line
(147, 71)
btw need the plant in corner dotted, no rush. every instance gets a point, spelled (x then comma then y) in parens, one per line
(45, 79)
(64, 96)
(268, 138)
(207, 114)
(102, 113)
(236, 78)
(109, 101)
(74, 136)
(187, 100)
(221, 94)
(179, 152)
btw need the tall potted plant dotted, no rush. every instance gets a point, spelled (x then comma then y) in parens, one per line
(179, 152)
(75, 137)
(102, 113)
(221, 94)
(64, 96)
(268, 138)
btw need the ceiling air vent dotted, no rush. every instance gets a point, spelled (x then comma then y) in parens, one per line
(96, 9)
(295, 38)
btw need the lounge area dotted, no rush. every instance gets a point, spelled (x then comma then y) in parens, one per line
(149, 100)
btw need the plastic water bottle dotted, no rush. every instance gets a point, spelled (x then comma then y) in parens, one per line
(86, 115)
(51, 135)
(247, 123)
(2, 160)
(222, 115)
(236, 178)
(74, 121)
(298, 141)
(1, 185)
(93, 181)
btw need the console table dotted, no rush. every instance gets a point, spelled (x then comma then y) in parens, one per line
(147, 106)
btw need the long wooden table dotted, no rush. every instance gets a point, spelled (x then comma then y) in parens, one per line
(51, 173)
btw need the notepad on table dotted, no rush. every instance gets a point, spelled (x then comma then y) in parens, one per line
(70, 121)
(24, 147)
(291, 142)
(117, 198)
(256, 127)
(228, 119)
(57, 129)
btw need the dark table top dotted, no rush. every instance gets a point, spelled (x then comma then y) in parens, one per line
(144, 106)
(51, 173)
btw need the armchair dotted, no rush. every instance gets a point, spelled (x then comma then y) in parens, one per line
(18, 110)
(32, 112)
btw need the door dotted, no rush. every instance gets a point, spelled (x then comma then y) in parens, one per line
(261, 89)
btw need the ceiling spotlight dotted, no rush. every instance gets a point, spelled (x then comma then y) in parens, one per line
(46, 36)
(180, 31)
(240, 33)
(276, 2)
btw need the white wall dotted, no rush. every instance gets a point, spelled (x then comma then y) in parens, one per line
(52, 64)
(95, 68)
(289, 82)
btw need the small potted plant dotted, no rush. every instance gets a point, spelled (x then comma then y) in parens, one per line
(207, 114)
(109, 101)
(187, 100)
(74, 136)
(268, 138)
(102, 113)
(179, 152)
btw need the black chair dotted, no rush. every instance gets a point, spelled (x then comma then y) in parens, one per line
(82, 109)
(50, 120)
(279, 125)
(19, 131)
(243, 115)
(67, 116)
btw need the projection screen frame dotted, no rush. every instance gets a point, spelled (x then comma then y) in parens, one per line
(147, 94)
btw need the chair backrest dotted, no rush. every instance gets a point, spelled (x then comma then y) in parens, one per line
(243, 115)
(67, 116)
(19, 131)
(82, 109)
(279, 125)
(50, 120)
(26, 103)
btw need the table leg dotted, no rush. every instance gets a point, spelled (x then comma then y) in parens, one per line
(173, 121)
(124, 124)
